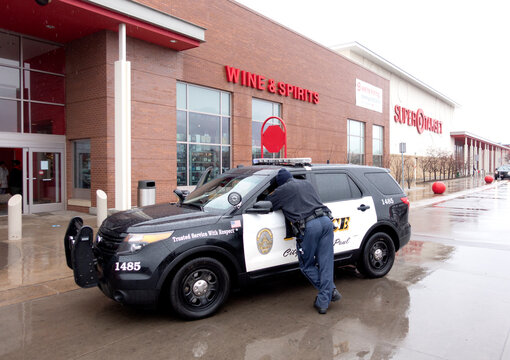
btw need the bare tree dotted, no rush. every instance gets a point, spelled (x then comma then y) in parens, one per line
(453, 166)
(434, 164)
(396, 168)
(442, 157)
(440, 163)
(409, 170)
(424, 164)
(387, 162)
(459, 167)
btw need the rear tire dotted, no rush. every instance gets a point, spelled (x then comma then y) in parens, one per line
(377, 257)
(199, 288)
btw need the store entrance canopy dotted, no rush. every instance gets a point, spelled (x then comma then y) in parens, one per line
(66, 20)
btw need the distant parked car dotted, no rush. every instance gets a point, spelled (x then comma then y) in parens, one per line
(502, 172)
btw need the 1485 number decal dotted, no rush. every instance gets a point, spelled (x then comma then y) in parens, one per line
(128, 266)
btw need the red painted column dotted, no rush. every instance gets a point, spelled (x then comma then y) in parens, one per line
(465, 157)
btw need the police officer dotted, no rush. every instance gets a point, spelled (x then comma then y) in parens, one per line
(302, 207)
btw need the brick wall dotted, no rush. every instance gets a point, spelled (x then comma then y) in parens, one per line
(239, 37)
(87, 108)
(235, 36)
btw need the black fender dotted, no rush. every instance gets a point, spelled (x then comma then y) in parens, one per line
(382, 226)
(190, 253)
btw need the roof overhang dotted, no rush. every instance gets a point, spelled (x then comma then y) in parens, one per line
(62, 21)
(468, 135)
(359, 49)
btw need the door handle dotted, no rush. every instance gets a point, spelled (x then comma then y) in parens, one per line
(363, 207)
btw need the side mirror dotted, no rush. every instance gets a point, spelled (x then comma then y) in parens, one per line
(260, 207)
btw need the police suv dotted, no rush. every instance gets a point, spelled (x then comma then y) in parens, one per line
(224, 234)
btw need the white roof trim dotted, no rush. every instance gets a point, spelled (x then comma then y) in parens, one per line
(152, 16)
(385, 64)
(478, 138)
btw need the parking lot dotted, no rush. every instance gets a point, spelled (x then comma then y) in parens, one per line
(447, 297)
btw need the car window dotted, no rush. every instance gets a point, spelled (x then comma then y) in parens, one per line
(384, 182)
(272, 186)
(336, 187)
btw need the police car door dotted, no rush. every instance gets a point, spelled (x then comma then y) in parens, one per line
(265, 239)
(353, 213)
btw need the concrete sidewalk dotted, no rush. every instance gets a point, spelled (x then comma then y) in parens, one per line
(422, 194)
(35, 266)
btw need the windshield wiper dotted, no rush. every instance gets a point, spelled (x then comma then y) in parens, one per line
(195, 205)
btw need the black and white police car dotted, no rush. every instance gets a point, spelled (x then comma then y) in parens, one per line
(224, 234)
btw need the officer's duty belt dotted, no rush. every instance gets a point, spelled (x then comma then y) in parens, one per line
(315, 216)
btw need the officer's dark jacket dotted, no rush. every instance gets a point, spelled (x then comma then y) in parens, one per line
(297, 199)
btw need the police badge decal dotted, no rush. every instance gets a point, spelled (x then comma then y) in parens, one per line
(264, 241)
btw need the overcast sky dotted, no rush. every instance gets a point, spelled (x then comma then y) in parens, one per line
(459, 48)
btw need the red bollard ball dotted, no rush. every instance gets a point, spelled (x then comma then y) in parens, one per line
(489, 179)
(438, 187)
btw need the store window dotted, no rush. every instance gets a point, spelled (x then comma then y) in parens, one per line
(32, 85)
(203, 132)
(81, 169)
(355, 142)
(260, 111)
(11, 114)
(377, 145)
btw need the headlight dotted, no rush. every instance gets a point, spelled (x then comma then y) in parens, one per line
(134, 242)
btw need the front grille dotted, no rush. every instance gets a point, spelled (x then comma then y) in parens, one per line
(110, 241)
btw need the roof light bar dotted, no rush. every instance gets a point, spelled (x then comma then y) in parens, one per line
(283, 161)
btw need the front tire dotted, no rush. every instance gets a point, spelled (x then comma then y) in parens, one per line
(199, 288)
(377, 257)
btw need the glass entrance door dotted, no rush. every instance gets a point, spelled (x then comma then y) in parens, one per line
(44, 181)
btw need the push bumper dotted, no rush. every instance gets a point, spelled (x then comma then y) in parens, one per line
(89, 271)
(79, 254)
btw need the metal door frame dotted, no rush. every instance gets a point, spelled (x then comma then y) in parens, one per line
(30, 143)
(59, 193)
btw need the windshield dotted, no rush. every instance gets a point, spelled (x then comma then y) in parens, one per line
(504, 168)
(214, 194)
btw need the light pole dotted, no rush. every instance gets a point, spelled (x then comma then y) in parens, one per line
(402, 149)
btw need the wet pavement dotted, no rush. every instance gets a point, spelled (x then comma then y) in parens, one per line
(35, 266)
(423, 191)
(447, 297)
